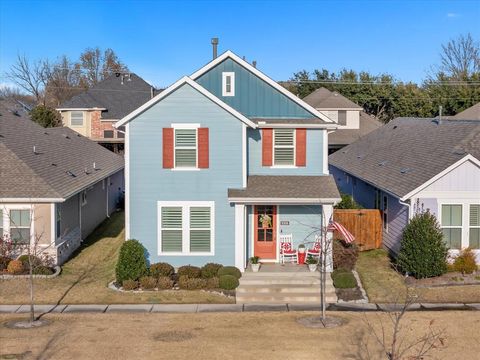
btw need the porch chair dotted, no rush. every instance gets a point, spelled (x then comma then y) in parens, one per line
(315, 249)
(287, 252)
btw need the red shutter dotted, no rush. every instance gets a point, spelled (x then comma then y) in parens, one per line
(168, 148)
(301, 147)
(203, 145)
(267, 144)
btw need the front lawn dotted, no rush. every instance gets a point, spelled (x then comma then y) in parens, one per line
(383, 284)
(85, 277)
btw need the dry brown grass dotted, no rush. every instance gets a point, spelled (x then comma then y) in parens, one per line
(85, 277)
(223, 336)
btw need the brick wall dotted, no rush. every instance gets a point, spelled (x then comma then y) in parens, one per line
(99, 126)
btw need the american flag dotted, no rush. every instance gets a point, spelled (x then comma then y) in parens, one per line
(347, 235)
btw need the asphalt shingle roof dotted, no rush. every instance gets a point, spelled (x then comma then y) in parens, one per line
(407, 152)
(119, 99)
(43, 173)
(323, 98)
(472, 113)
(287, 187)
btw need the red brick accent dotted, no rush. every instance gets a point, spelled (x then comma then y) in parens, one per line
(203, 145)
(301, 147)
(97, 126)
(167, 148)
(267, 144)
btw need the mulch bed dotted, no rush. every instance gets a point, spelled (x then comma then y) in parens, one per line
(349, 294)
(448, 279)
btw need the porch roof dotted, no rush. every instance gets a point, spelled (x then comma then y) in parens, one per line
(287, 189)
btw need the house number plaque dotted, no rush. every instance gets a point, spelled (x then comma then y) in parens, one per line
(284, 222)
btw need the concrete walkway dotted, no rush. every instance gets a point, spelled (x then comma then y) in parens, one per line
(204, 308)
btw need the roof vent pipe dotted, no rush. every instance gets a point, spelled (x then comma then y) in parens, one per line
(214, 46)
(254, 63)
(440, 108)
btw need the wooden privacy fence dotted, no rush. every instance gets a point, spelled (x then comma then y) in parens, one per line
(365, 225)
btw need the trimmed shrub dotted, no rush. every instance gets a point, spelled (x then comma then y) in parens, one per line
(187, 283)
(465, 262)
(164, 283)
(347, 202)
(129, 284)
(42, 270)
(35, 261)
(15, 267)
(161, 269)
(423, 252)
(228, 282)
(4, 262)
(229, 270)
(212, 283)
(344, 279)
(210, 270)
(148, 282)
(188, 270)
(344, 255)
(131, 264)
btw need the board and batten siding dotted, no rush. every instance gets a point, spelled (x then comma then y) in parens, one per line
(253, 96)
(150, 182)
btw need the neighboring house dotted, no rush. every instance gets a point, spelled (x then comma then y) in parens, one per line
(352, 121)
(93, 112)
(472, 113)
(56, 185)
(216, 153)
(409, 160)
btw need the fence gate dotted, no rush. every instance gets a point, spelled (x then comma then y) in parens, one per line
(365, 225)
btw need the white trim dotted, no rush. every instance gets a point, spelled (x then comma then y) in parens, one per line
(244, 155)
(225, 75)
(80, 109)
(83, 118)
(296, 126)
(463, 228)
(175, 86)
(255, 71)
(31, 200)
(468, 157)
(127, 182)
(340, 109)
(185, 168)
(53, 224)
(184, 126)
(240, 237)
(186, 205)
(325, 153)
(6, 208)
(284, 201)
(284, 167)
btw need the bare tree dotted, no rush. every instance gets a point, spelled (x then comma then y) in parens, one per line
(63, 81)
(97, 65)
(460, 58)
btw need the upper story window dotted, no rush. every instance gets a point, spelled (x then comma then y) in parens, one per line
(228, 84)
(185, 148)
(283, 147)
(108, 134)
(76, 118)
(342, 117)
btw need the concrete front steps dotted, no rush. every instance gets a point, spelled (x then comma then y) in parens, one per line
(283, 287)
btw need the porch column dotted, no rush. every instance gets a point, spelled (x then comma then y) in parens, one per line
(240, 240)
(327, 215)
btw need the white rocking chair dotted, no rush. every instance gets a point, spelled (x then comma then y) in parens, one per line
(287, 252)
(316, 249)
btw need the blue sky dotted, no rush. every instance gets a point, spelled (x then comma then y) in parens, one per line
(162, 41)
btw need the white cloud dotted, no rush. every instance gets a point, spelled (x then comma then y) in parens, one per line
(453, 15)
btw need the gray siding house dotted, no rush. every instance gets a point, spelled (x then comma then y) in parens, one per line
(409, 163)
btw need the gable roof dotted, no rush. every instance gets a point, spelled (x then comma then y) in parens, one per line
(26, 175)
(341, 136)
(325, 99)
(404, 154)
(258, 73)
(171, 89)
(116, 98)
(472, 113)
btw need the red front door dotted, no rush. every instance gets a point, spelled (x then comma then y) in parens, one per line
(265, 244)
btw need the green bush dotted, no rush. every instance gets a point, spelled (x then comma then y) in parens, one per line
(4, 262)
(228, 282)
(148, 282)
(344, 255)
(42, 270)
(212, 283)
(344, 279)
(131, 264)
(35, 261)
(129, 284)
(465, 262)
(188, 270)
(229, 270)
(164, 282)
(187, 283)
(423, 252)
(161, 269)
(210, 270)
(347, 202)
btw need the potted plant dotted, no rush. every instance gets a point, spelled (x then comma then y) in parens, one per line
(312, 263)
(266, 221)
(254, 262)
(301, 248)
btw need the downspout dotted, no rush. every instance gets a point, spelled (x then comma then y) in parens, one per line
(107, 184)
(408, 205)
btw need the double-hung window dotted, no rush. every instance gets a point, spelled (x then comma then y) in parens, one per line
(76, 118)
(284, 147)
(452, 225)
(474, 226)
(186, 228)
(228, 84)
(186, 148)
(20, 226)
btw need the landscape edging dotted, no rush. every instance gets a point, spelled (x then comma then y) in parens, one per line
(57, 272)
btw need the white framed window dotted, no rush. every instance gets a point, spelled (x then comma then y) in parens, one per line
(284, 147)
(451, 223)
(76, 118)
(385, 212)
(474, 227)
(186, 147)
(83, 197)
(228, 84)
(186, 227)
(20, 225)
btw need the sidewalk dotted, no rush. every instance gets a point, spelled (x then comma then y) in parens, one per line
(205, 308)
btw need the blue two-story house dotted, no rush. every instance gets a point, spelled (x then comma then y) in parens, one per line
(223, 162)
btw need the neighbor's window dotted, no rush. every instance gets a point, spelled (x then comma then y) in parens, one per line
(76, 118)
(186, 228)
(342, 117)
(228, 84)
(284, 147)
(20, 226)
(452, 225)
(185, 148)
(474, 229)
(108, 134)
